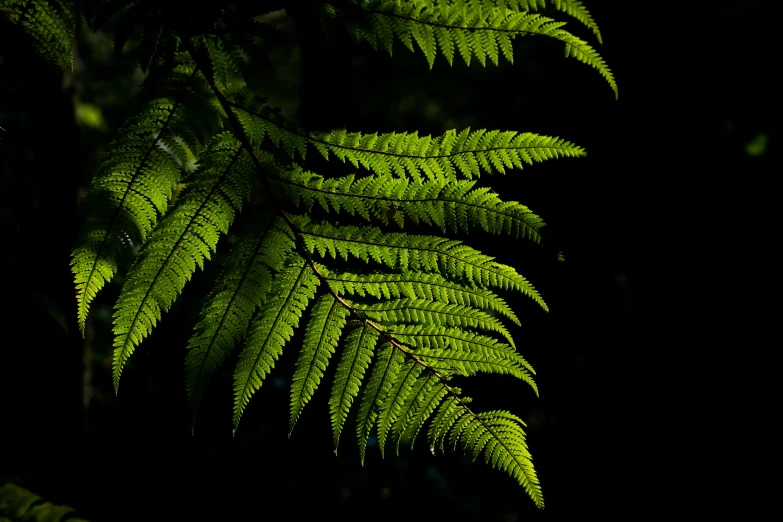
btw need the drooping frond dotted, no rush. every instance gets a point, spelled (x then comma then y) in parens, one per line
(418, 285)
(182, 241)
(135, 182)
(273, 326)
(405, 154)
(48, 23)
(454, 350)
(472, 30)
(498, 434)
(327, 321)
(573, 8)
(356, 357)
(408, 252)
(172, 181)
(451, 206)
(384, 371)
(239, 291)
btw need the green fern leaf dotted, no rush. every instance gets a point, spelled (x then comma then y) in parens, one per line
(420, 412)
(356, 357)
(451, 206)
(385, 369)
(448, 413)
(433, 313)
(132, 188)
(292, 289)
(417, 285)
(239, 291)
(475, 31)
(323, 332)
(49, 24)
(187, 236)
(499, 435)
(408, 252)
(454, 350)
(391, 405)
(573, 8)
(403, 154)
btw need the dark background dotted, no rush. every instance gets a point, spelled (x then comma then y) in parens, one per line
(638, 220)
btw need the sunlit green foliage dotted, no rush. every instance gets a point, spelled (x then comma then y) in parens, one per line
(355, 259)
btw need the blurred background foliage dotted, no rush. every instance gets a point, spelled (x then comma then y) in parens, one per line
(691, 118)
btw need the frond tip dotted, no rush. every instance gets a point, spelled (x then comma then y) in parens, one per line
(498, 434)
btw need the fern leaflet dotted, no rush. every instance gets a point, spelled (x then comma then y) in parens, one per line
(321, 338)
(292, 290)
(357, 354)
(240, 290)
(187, 236)
(48, 23)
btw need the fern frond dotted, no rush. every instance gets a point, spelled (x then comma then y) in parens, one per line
(419, 412)
(406, 154)
(327, 321)
(384, 371)
(467, 29)
(499, 434)
(433, 313)
(49, 24)
(451, 206)
(391, 405)
(356, 357)
(573, 8)
(274, 325)
(239, 291)
(225, 59)
(408, 252)
(453, 350)
(417, 285)
(467, 152)
(186, 236)
(135, 182)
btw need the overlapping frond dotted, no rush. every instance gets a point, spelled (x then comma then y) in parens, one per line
(136, 179)
(390, 407)
(470, 30)
(451, 206)
(453, 350)
(357, 354)
(408, 252)
(422, 311)
(418, 285)
(273, 326)
(239, 291)
(406, 154)
(328, 318)
(186, 236)
(48, 23)
(384, 371)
